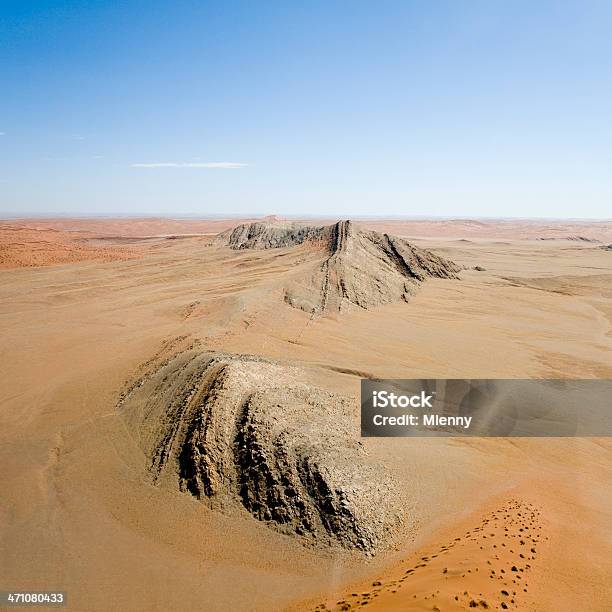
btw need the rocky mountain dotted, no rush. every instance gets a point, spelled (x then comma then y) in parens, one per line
(239, 430)
(353, 267)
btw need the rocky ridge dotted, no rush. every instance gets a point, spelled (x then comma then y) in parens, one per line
(355, 267)
(236, 430)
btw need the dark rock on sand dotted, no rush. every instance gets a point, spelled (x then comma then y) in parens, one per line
(236, 430)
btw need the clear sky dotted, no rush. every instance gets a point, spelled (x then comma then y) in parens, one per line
(457, 108)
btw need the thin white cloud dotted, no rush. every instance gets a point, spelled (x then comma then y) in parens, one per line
(225, 165)
(2, 133)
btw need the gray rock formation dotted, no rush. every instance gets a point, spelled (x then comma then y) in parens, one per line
(270, 235)
(363, 268)
(244, 431)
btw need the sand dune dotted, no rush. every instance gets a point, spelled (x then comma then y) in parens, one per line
(131, 227)
(508, 554)
(488, 566)
(24, 246)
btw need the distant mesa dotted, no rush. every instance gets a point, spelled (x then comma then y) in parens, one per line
(242, 432)
(272, 218)
(350, 266)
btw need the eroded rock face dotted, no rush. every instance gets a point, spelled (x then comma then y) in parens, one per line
(362, 268)
(270, 235)
(243, 430)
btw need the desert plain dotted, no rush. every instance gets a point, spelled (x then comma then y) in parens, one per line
(127, 500)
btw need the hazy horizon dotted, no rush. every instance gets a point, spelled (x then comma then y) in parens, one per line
(411, 110)
(296, 217)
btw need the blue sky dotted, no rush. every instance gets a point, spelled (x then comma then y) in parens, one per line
(416, 108)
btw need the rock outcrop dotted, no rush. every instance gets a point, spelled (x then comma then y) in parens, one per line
(362, 268)
(270, 235)
(237, 430)
(571, 238)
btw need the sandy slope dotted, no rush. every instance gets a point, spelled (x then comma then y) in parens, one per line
(127, 227)
(25, 246)
(487, 564)
(530, 548)
(78, 512)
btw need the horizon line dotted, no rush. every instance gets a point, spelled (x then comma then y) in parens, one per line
(252, 215)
